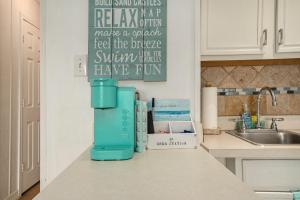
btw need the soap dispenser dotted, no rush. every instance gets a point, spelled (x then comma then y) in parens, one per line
(246, 116)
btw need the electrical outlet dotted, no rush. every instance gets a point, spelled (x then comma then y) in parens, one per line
(80, 65)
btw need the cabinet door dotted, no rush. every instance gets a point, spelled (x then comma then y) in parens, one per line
(275, 195)
(271, 175)
(288, 26)
(232, 27)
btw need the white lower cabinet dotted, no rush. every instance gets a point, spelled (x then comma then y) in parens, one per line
(275, 195)
(272, 175)
(269, 178)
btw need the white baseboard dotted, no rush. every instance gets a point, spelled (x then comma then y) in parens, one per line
(13, 196)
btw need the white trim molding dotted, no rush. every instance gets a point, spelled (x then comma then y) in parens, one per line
(13, 196)
(197, 84)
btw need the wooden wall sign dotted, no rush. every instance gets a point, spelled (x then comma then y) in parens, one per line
(128, 39)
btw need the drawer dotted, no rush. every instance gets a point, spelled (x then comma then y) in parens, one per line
(272, 175)
(275, 195)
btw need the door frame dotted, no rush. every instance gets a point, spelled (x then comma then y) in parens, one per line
(20, 95)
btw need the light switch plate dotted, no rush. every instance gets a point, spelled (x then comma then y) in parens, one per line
(80, 65)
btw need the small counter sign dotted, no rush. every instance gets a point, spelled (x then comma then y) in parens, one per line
(128, 39)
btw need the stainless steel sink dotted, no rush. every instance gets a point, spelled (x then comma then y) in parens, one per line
(268, 136)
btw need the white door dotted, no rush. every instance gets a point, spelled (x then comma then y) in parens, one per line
(30, 128)
(232, 27)
(288, 26)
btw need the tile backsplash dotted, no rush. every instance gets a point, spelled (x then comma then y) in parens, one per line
(239, 84)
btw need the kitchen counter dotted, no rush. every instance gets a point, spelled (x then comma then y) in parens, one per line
(228, 146)
(166, 175)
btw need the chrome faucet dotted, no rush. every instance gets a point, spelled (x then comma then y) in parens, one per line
(274, 103)
(274, 124)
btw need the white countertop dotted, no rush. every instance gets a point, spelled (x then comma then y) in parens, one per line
(228, 146)
(166, 175)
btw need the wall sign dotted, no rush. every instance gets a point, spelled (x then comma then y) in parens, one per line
(128, 39)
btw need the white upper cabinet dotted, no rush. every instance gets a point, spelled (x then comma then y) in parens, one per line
(232, 27)
(288, 26)
(250, 29)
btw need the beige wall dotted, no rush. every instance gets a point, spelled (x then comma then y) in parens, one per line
(10, 43)
(5, 84)
(66, 115)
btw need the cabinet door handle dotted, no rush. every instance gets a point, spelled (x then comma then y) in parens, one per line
(280, 36)
(264, 37)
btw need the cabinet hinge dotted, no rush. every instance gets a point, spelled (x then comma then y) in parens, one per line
(23, 103)
(22, 167)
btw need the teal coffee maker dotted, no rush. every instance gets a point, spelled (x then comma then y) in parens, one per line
(114, 120)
